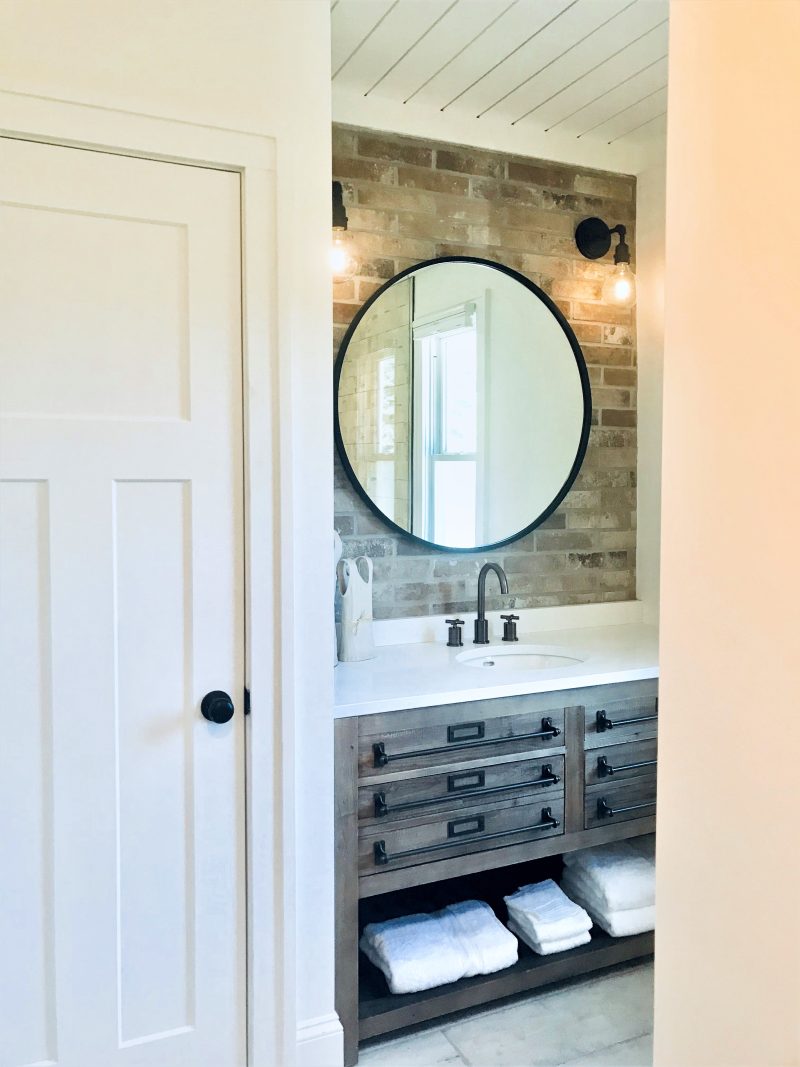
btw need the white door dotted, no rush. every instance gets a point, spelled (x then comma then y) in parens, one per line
(121, 584)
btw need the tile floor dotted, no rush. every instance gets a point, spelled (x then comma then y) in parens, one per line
(605, 1021)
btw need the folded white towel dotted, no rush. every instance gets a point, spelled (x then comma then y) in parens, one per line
(419, 952)
(548, 948)
(486, 943)
(523, 927)
(619, 923)
(621, 877)
(415, 952)
(549, 911)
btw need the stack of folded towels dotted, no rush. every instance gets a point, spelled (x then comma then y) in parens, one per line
(616, 883)
(422, 951)
(546, 919)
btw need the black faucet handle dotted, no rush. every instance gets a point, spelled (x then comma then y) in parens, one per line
(454, 639)
(510, 627)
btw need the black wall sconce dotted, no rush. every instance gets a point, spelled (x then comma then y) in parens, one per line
(341, 263)
(593, 238)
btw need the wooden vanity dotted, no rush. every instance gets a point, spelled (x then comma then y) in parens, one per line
(480, 797)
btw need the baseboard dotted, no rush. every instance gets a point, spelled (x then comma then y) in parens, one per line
(319, 1042)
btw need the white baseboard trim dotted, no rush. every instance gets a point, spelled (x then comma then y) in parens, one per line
(320, 1042)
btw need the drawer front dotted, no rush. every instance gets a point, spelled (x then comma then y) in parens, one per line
(458, 740)
(618, 763)
(621, 720)
(621, 802)
(406, 798)
(386, 848)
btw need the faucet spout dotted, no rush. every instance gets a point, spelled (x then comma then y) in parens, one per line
(481, 625)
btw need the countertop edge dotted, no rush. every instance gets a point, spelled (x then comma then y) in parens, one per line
(465, 695)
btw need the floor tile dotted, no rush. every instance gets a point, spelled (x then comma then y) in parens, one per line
(428, 1049)
(548, 1029)
(635, 1053)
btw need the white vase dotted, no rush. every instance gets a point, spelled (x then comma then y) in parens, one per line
(355, 587)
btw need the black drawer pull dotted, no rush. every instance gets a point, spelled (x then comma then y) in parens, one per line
(381, 757)
(604, 768)
(604, 723)
(605, 811)
(382, 808)
(382, 857)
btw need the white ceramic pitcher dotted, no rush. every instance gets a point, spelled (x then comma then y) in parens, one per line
(356, 642)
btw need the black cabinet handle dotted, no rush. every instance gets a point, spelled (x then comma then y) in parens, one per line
(382, 857)
(605, 811)
(382, 808)
(604, 768)
(604, 723)
(381, 757)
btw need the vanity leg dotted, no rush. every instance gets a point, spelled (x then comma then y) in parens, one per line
(574, 770)
(346, 837)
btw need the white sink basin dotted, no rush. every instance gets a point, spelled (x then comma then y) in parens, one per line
(507, 658)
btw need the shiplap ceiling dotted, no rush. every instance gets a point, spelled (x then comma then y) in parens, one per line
(594, 69)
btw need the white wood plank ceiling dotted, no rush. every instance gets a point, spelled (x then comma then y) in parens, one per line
(594, 69)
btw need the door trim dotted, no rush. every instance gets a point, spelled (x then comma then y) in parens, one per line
(269, 605)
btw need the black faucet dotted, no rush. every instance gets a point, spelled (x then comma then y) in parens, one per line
(481, 625)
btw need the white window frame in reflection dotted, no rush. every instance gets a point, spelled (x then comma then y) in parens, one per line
(453, 526)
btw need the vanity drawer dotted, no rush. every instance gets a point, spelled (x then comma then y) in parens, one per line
(456, 739)
(451, 790)
(616, 721)
(616, 763)
(390, 847)
(621, 802)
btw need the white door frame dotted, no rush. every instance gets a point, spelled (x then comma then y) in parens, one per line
(268, 606)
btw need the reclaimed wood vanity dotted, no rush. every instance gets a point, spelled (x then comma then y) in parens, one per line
(442, 802)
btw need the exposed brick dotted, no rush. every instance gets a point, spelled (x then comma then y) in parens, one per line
(436, 181)
(490, 189)
(612, 356)
(619, 376)
(367, 288)
(396, 198)
(410, 200)
(485, 164)
(363, 170)
(607, 397)
(541, 174)
(610, 417)
(618, 335)
(588, 332)
(603, 313)
(615, 187)
(375, 147)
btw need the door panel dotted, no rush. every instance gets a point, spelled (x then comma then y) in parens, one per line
(122, 809)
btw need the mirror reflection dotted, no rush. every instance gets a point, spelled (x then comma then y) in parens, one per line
(462, 403)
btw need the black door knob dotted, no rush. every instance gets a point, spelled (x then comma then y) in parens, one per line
(217, 707)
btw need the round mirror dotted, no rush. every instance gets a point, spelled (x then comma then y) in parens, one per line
(462, 404)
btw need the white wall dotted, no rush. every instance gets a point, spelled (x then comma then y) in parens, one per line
(261, 66)
(650, 223)
(728, 937)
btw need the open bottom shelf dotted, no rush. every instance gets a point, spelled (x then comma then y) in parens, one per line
(381, 1012)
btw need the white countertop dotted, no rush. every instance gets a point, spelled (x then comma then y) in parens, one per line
(422, 675)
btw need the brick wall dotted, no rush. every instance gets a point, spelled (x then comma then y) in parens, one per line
(409, 200)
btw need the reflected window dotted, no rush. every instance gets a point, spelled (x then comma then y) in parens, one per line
(446, 427)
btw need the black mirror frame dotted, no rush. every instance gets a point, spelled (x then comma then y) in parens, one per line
(585, 389)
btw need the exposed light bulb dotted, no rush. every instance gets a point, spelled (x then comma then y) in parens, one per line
(619, 287)
(341, 262)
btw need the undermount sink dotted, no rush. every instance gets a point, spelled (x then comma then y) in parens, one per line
(505, 658)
